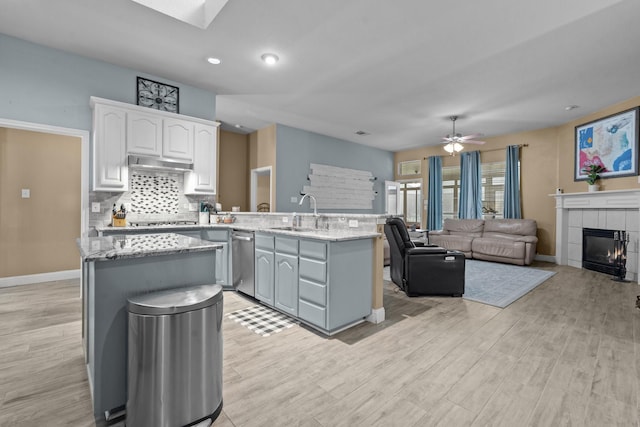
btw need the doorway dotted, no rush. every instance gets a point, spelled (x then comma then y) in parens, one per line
(261, 190)
(36, 214)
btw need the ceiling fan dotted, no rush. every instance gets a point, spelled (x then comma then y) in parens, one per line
(455, 140)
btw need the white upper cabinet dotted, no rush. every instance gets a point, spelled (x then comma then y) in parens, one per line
(203, 178)
(110, 172)
(178, 139)
(144, 134)
(121, 129)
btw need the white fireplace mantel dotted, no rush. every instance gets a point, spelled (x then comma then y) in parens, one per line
(628, 200)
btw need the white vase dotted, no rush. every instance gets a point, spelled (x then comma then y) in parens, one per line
(593, 187)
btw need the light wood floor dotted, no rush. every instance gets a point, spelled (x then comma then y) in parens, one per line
(565, 354)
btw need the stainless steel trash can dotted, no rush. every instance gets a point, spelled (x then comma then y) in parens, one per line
(174, 370)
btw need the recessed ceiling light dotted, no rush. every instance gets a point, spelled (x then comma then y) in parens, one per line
(362, 133)
(571, 107)
(214, 61)
(237, 126)
(270, 58)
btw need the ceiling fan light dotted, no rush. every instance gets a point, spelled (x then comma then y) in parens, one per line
(458, 147)
(449, 148)
(270, 58)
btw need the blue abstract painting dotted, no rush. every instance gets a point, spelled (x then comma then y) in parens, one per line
(611, 142)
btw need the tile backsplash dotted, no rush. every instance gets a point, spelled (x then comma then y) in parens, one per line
(152, 196)
(155, 194)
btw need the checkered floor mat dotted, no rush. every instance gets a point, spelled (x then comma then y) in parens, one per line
(261, 320)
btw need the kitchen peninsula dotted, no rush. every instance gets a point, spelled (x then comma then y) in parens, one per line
(340, 258)
(116, 268)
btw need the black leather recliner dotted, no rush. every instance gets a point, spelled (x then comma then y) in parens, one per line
(423, 270)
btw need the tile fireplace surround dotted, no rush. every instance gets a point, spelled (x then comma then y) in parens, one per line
(613, 210)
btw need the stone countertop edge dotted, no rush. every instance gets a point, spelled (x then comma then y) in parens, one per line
(116, 247)
(335, 236)
(331, 235)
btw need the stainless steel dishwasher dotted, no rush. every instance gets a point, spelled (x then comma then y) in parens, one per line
(242, 261)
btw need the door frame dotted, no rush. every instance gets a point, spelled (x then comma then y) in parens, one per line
(265, 170)
(84, 195)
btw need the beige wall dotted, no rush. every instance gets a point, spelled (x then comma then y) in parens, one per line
(233, 170)
(546, 164)
(37, 235)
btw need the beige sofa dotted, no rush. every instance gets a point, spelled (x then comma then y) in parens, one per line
(505, 240)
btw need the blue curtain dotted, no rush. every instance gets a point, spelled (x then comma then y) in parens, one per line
(512, 184)
(434, 195)
(470, 203)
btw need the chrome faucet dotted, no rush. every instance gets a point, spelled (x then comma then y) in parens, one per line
(315, 210)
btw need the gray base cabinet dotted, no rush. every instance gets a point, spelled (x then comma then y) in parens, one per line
(325, 284)
(223, 255)
(286, 275)
(107, 286)
(264, 268)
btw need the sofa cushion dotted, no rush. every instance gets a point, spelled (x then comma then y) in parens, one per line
(467, 227)
(452, 242)
(521, 227)
(503, 248)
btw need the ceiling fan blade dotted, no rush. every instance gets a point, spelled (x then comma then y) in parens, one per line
(473, 135)
(471, 141)
(447, 138)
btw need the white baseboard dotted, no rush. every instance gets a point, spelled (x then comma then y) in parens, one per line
(6, 282)
(376, 316)
(545, 258)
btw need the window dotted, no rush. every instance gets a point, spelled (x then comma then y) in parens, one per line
(412, 193)
(450, 191)
(411, 167)
(492, 190)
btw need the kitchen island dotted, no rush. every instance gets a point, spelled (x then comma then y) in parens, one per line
(116, 268)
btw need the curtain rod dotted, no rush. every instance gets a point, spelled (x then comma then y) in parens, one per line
(493, 149)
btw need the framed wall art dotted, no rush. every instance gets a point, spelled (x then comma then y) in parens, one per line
(611, 142)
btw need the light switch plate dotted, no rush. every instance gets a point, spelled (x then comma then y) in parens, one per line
(193, 207)
(26, 193)
(353, 223)
(95, 207)
(294, 199)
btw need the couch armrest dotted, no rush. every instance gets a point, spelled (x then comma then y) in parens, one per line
(527, 239)
(438, 232)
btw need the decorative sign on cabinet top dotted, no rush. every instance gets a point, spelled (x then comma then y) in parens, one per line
(340, 188)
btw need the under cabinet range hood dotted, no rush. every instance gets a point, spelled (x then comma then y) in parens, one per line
(152, 163)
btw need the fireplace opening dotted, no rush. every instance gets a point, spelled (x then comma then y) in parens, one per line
(605, 251)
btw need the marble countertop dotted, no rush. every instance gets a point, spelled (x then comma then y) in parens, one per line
(109, 248)
(321, 234)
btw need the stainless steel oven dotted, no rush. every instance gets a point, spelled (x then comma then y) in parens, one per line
(242, 261)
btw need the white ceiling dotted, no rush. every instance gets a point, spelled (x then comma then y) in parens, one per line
(395, 69)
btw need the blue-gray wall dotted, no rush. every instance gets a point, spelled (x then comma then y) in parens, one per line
(296, 149)
(48, 86)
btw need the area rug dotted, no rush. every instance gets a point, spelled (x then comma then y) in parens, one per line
(261, 320)
(499, 284)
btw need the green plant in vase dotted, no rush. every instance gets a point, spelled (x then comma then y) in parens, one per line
(593, 172)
